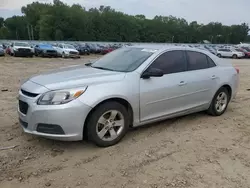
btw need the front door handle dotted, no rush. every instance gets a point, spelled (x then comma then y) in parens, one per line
(213, 77)
(182, 83)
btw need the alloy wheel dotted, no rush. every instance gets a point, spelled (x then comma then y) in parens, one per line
(110, 125)
(221, 102)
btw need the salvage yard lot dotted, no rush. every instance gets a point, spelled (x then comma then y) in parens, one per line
(193, 151)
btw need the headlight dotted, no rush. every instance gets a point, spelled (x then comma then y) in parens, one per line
(60, 96)
(16, 49)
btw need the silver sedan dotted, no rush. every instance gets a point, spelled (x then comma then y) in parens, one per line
(130, 86)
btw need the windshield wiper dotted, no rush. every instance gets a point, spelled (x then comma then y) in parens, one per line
(88, 64)
(103, 68)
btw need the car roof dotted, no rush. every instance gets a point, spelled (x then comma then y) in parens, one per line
(164, 47)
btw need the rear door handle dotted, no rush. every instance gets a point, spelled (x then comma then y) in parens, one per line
(182, 83)
(213, 77)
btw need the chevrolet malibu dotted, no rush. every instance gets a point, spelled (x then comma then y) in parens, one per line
(129, 87)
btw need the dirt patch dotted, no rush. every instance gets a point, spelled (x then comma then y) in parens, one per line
(192, 151)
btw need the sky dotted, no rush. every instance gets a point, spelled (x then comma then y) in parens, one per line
(227, 12)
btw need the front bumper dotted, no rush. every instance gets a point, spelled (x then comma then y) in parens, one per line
(69, 117)
(23, 54)
(72, 55)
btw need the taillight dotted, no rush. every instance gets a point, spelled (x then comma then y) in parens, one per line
(237, 70)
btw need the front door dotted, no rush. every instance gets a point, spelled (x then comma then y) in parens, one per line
(160, 96)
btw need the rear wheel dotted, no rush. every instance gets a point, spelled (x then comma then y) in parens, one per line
(219, 103)
(108, 124)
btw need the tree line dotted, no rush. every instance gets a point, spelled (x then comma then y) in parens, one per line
(59, 21)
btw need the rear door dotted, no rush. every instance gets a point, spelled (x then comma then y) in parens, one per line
(202, 79)
(228, 53)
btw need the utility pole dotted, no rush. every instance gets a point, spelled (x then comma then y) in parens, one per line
(32, 34)
(28, 31)
(16, 35)
(173, 39)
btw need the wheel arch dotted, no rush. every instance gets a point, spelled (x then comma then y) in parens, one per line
(120, 100)
(228, 87)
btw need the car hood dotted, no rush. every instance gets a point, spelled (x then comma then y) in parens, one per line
(22, 47)
(76, 76)
(70, 49)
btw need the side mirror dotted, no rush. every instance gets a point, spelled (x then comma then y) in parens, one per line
(152, 72)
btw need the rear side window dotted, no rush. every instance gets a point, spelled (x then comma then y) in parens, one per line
(171, 62)
(196, 61)
(210, 62)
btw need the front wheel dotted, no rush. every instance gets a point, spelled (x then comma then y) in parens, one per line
(108, 124)
(219, 55)
(219, 103)
(63, 55)
(235, 56)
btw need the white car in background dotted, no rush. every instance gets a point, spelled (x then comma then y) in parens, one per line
(67, 50)
(225, 52)
(21, 49)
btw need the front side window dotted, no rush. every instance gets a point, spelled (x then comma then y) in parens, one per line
(171, 62)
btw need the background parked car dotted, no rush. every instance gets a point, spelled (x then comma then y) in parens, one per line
(2, 51)
(226, 52)
(21, 49)
(105, 49)
(94, 48)
(67, 50)
(82, 48)
(45, 50)
(247, 53)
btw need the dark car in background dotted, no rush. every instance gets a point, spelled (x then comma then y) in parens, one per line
(45, 50)
(82, 48)
(94, 48)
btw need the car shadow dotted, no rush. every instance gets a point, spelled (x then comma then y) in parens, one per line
(152, 128)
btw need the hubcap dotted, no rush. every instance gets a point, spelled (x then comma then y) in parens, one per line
(110, 125)
(221, 102)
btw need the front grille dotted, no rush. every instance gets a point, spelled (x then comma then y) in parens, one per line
(49, 129)
(24, 50)
(24, 124)
(75, 53)
(51, 51)
(23, 107)
(28, 93)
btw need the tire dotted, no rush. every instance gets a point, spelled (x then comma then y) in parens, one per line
(215, 108)
(219, 55)
(63, 55)
(105, 129)
(235, 56)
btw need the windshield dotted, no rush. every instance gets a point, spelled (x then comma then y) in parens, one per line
(69, 46)
(45, 46)
(123, 59)
(21, 44)
(238, 50)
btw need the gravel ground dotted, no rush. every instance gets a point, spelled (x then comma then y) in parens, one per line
(197, 150)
